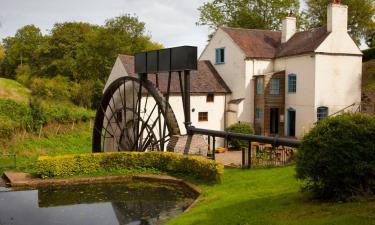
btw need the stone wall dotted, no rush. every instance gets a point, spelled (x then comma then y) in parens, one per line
(188, 145)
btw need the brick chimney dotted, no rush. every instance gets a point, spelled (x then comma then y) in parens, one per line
(337, 17)
(289, 27)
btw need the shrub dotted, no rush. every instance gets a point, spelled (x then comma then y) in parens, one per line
(38, 115)
(18, 113)
(7, 127)
(239, 128)
(69, 165)
(59, 87)
(65, 113)
(336, 158)
(23, 74)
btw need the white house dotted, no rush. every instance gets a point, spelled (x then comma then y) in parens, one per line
(281, 82)
(284, 82)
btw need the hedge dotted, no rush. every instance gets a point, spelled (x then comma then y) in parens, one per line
(81, 164)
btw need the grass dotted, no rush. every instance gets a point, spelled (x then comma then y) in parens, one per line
(11, 89)
(70, 140)
(269, 196)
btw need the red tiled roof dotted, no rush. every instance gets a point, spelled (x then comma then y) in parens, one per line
(255, 43)
(303, 42)
(205, 80)
(267, 44)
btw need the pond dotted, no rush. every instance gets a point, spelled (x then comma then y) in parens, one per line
(135, 202)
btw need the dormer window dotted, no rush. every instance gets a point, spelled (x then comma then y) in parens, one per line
(219, 56)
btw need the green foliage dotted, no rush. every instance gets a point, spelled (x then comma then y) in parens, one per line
(263, 14)
(59, 88)
(7, 127)
(239, 128)
(31, 117)
(360, 19)
(70, 165)
(97, 93)
(26, 46)
(2, 53)
(23, 74)
(368, 54)
(337, 157)
(18, 113)
(38, 115)
(63, 113)
(368, 76)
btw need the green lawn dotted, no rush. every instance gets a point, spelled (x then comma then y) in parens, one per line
(269, 196)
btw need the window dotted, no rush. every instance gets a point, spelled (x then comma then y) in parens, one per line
(292, 83)
(202, 116)
(259, 86)
(322, 112)
(258, 113)
(275, 86)
(210, 98)
(219, 56)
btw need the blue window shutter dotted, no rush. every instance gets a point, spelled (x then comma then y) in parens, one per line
(219, 55)
(292, 83)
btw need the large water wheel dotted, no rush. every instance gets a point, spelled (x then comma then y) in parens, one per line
(133, 116)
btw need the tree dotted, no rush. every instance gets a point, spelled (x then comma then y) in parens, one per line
(254, 14)
(24, 47)
(361, 24)
(2, 53)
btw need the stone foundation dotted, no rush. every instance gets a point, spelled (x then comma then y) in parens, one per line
(188, 145)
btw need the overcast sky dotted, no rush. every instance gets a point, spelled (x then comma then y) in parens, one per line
(170, 22)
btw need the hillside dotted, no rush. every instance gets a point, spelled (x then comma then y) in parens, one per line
(368, 86)
(11, 89)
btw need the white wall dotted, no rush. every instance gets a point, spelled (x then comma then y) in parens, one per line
(338, 81)
(233, 70)
(303, 101)
(215, 111)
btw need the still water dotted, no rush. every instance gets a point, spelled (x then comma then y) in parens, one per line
(99, 204)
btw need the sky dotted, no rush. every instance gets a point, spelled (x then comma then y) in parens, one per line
(169, 22)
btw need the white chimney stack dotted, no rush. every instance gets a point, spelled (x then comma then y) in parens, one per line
(289, 28)
(337, 17)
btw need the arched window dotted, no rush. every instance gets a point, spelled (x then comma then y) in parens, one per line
(322, 112)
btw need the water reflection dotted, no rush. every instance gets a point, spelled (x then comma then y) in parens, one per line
(116, 203)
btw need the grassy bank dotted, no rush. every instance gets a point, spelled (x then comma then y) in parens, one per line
(269, 196)
(68, 140)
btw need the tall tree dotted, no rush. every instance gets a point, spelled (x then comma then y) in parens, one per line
(255, 14)
(361, 24)
(24, 47)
